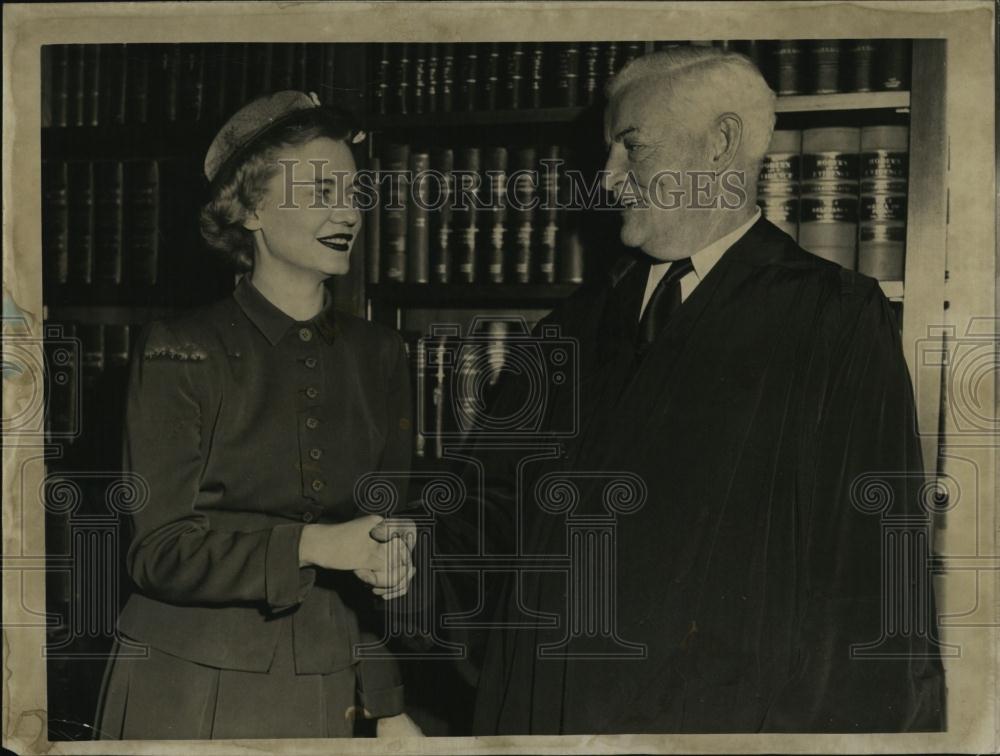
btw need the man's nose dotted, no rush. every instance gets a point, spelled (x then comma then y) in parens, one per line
(614, 174)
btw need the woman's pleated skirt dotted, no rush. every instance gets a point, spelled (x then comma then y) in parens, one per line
(164, 697)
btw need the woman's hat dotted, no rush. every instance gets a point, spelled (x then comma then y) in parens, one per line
(253, 121)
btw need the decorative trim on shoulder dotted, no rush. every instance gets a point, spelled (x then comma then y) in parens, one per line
(186, 352)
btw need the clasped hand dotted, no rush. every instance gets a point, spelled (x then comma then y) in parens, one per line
(377, 550)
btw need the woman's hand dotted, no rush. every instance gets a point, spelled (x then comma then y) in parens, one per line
(399, 726)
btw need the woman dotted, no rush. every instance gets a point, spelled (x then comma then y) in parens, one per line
(251, 420)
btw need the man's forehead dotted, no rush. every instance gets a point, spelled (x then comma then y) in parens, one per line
(641, 107)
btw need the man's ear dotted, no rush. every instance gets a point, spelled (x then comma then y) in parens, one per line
(726, 139)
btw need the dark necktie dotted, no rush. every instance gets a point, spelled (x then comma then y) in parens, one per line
(665, 299)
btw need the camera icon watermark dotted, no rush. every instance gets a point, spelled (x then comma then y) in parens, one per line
(466, 371)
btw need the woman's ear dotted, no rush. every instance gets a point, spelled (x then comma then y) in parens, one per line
(251, 221)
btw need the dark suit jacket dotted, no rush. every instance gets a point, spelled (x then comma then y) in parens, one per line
(770, 416)
(246, 425)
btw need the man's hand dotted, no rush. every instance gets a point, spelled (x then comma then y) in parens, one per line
(398, 534)
(399, 726)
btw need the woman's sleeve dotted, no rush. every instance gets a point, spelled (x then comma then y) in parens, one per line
(174, 555)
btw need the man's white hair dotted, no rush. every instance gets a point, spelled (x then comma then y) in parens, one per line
(701, 83)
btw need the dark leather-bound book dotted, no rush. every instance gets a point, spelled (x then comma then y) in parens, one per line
(513, 83)
(442, 223)
(141, 230)
(166, 88)
(261, 69)
(495, 222)
(395, 162)
(433, 77)
(862, 57)
(76, 86)
(549, 170)
(892, 64)
(824, 65)
(468, 74)
(467, 192)
(114, 87)
(787, 66)
(535, 61)
(61, 81)
(417, 229)
(591, 80)
(283, 73)
(400, 91)
(380, 78)
(108, 214)
(611, 62)
(139, 59)
(81, 222)
(55, 222)
(92, 85)
(328, 73)
(568, 75)
(192, 82)
(522, 213)
(446, 90)
(238, 68)
(631, 51)
(216, 91)
(418, 68)
(491, 75)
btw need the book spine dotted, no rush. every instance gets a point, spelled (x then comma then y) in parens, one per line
(787, 64)
(469, 76)
(465, 213)
(216, 82)
(108, 222)
(328, 73)
(92, 84)
(632, 51)
(417, 236)
(77, 86)
(536, 75)
(394, 221)
(116, 346)
(61, 78)
(591, 73)
(306, 69)
(549, 170)
(433, 77)
(522, 213)
(192, 82)
(238, 67)
(778, 183)
(373, 227)
(420, 397)
(91, 356)
(261, 73)
(753, 49)
(55, 222)
(611, 61)
(168, 84)
(496, 220)
(81, 222)
(142, 222)
(115, 84)
(882, 208)
(491, 75)
(514, 80)
(446, 90)
(824, 62)
(568, 80)
(570, 256)
(828, 224)
(283, 73)
(419, 88)
(862, 59)
(138, 63)
(892, 70)
(380, 79)
(442, 224)
(401, 79)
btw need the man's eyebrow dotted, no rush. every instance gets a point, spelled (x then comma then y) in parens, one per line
(624, 132)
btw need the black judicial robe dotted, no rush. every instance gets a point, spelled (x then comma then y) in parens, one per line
(748, 573)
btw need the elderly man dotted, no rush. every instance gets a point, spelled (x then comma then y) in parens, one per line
(752, 387)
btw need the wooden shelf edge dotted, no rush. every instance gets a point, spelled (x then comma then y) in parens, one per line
(457, 295)
(843, 101)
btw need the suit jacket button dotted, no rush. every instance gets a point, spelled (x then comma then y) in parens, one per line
(315, 453)
(317, 485)
(312, 393)
(310, 362)
(307, 516)
(312, 423)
